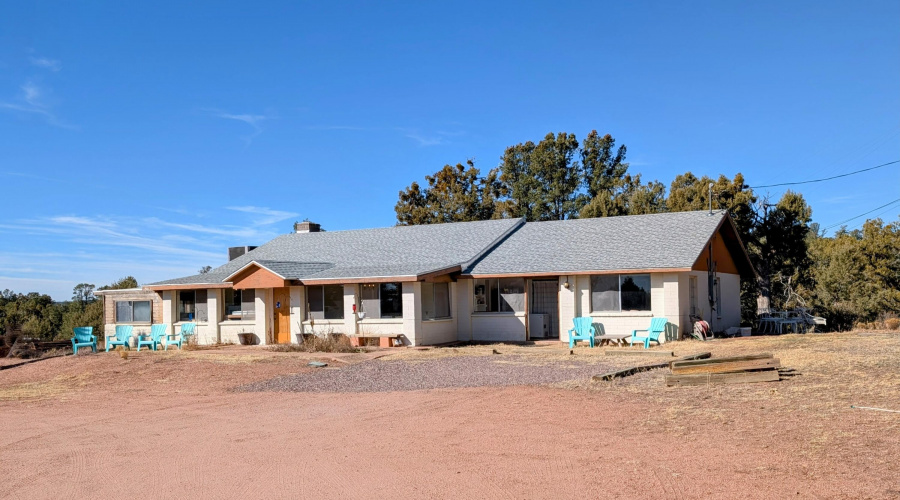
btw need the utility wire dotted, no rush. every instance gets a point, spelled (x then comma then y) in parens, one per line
(826, 178)
(860, 215)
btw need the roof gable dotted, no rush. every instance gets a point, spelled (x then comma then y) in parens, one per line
(656, 242)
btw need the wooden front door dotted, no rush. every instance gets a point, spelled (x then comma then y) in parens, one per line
(282, 308)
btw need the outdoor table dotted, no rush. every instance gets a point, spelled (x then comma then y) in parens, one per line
(618, 338)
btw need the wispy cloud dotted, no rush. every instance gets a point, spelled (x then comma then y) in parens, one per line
(43, 62)
(337, 127)
(31, 101)
(268, 215)
(254, 121)
(424, 140)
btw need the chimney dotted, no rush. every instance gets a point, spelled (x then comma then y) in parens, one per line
(306, 227)
(235, 252)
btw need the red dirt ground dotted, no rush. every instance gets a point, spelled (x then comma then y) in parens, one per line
(168, 426)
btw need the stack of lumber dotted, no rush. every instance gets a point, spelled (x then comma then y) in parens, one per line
(733, 370)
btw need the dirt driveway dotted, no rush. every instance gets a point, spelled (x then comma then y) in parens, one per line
(243, 423)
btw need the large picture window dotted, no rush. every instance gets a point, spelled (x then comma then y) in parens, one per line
(622, 292)
(192, 305)
(240, 304)
(500, 295)
(381, 300)
(325, 302)
(133, 311)
(435, 300)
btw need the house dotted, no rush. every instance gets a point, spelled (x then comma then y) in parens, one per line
(495, 280)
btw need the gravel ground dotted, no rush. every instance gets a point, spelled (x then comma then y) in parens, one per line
(457, 371)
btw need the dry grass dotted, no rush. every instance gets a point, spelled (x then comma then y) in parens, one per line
(31, 391)
(318, 343)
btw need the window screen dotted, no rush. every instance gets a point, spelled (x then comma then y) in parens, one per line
(368, 296)
(123, 312)
(605, 292)
(435, 300)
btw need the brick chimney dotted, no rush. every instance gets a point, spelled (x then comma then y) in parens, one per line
(306, 227)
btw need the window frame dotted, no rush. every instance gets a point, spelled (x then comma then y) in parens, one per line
(433, 304)
(226, 304)
(493, 295)
(182, 315)
(325, 307)
(619, 279)
(131, 310)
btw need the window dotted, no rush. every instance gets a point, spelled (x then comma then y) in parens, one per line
(325, 302)
(435, 300)
(624, 292)
(500, 295)
(133, 311)
(240, 304)
(381, 300)
(192, 305)
(693, 294)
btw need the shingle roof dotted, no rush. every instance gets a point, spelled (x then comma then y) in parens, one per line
(366, 253)
(494, 247)
(657, 241)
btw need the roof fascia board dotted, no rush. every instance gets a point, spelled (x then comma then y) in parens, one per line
(576, 273)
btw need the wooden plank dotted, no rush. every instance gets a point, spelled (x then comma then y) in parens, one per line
(638, 369)
(635, 352)
(722, 378)
(731, 359)
(730, 367)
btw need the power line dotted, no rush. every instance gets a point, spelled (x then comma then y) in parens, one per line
(826, 178)
(860, 215)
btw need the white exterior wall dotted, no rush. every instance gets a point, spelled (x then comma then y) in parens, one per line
(731, 300)
(462, 309)
(263, 322)
(439, 331)
(730, 285)
(298, 311)
(664, 302)
(412, 317)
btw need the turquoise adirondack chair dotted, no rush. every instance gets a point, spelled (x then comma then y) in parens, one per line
(157, 332)
(84, 337)
(657, 327)
(584, 330)
(187, 329)
(123, 336)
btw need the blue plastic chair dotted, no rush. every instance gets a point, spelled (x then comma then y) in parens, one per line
(657, 327)
(123, 335)
(584, 330)
(187, 329)
(157, 332)
(84, 337)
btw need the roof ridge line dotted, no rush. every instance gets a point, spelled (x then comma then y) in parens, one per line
(467, 265)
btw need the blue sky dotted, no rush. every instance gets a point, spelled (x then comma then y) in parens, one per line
(144, 139)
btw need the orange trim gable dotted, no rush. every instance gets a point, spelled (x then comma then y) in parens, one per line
(255, 276)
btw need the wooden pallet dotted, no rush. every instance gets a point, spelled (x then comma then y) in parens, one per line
(729, 370)
(722, 378)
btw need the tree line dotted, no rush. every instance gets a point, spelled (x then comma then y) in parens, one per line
(37, 315)
(849, 278)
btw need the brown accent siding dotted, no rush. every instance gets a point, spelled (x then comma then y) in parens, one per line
(257, 277)
(724, 260)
